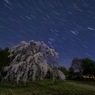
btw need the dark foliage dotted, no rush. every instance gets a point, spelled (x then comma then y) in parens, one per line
(4, 60)
(81, 67)
(88, 66)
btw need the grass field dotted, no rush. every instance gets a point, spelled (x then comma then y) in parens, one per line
(49, 88)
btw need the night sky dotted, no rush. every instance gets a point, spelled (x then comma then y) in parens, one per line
(68, 26)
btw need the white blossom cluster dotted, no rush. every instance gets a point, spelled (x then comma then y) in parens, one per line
(29, 62)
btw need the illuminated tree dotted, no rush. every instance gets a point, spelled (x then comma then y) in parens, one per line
(30, 62)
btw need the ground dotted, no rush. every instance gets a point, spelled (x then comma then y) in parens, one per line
(47, 87)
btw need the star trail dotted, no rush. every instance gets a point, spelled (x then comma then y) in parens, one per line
(68, 26)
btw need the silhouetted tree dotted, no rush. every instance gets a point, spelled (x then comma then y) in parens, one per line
(77, 66)
(80, 67)
(88, 66)
(4, 60)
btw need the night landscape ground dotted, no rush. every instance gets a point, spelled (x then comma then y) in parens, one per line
(48, 87)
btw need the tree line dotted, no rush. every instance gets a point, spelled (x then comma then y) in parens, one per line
(4, 60)
(80, 68)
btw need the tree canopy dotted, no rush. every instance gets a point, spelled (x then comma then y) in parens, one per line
(81, 67)
(4, 59)
(30, 62)
(88, 66)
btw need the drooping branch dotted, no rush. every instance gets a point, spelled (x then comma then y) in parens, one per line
(29, 62)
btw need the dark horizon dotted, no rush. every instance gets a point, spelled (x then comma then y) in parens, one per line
(68, 26)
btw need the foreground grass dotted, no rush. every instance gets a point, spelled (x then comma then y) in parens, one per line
(49, 88)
